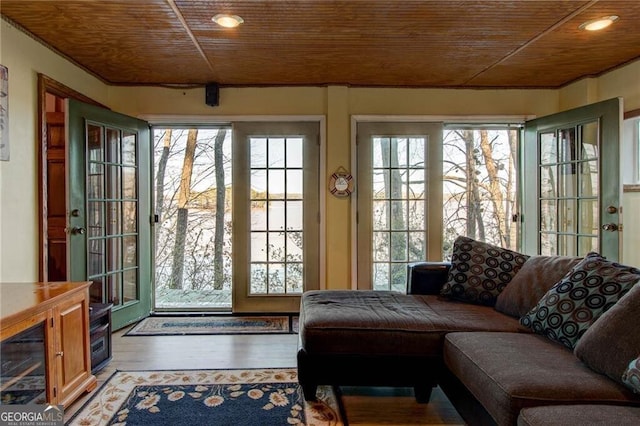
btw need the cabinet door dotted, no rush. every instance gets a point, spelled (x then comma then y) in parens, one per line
(73, 362)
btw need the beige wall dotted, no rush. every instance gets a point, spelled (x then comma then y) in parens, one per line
(18, 186)
(25, 58)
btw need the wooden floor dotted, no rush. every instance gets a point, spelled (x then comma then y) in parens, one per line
(363, 406)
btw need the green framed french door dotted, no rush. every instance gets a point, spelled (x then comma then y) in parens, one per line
(572, 207)
(109, 208)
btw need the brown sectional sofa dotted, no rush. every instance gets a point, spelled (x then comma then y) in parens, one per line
(492, 368)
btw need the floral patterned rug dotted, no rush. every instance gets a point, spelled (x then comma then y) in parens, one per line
(174, 325)
(213, 397)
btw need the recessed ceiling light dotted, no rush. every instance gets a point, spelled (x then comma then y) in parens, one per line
(598, 24)
(227, 21)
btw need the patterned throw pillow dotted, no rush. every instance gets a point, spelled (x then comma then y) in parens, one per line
(480, 271)
(631, 376)
(575, 302)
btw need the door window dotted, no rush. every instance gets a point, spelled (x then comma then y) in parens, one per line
(276, 234)
(571, 194)
(112, 212)
(568, 188)
(399, 205)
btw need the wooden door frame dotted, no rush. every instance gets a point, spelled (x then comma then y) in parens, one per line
(47, 85)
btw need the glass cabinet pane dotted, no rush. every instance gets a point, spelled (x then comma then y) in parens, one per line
(23, 372)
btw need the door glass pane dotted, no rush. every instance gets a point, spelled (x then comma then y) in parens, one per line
(129, 148)
(130, 250)
(95, 184)
(417, 247)
(399, 246)
(295, 180)
(380, 276)
(567, 144)
(295, 152)
(548, 182)
(294, 216)
(95, 143)
(112, 210)
(294, 277)
(130, 285)
(113, 145)
(589, 141)
(381, 247)
(398, 203)
(589, 217)
(129, 181)
(276, 164)
(588, 244)
(294, 247)
(129, 217)
(95, 219)
(548, 215)
(548, 244)
(416, 153)
(258, 246)
(96, 257)
(569, 210)
(258, 153)
(567, 216)
(276, 154)
(548, 148)
(276, 215)
(417, 215)
(589, 179)
(568, 182)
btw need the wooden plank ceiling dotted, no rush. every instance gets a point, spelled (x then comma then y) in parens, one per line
(408, 43)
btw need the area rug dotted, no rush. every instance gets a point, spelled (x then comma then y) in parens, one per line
(212, 397)
(163, 326)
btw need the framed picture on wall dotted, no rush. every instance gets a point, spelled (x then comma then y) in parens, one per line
(4, 113)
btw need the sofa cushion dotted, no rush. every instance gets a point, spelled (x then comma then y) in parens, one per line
(536, 277)
(380, 323)
(480, 271)
(506, 372)
(614, 339)
(580, 415)
(631, 376)
(569, 308)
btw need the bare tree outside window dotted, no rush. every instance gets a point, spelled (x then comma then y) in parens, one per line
(479, 186)
(193, 204)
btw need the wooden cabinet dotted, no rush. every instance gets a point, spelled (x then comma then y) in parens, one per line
(56, 316)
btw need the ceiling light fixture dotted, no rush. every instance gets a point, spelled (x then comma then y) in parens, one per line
(227, 21)
(598, 24)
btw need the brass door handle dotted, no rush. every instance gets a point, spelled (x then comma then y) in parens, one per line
(611, 227)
